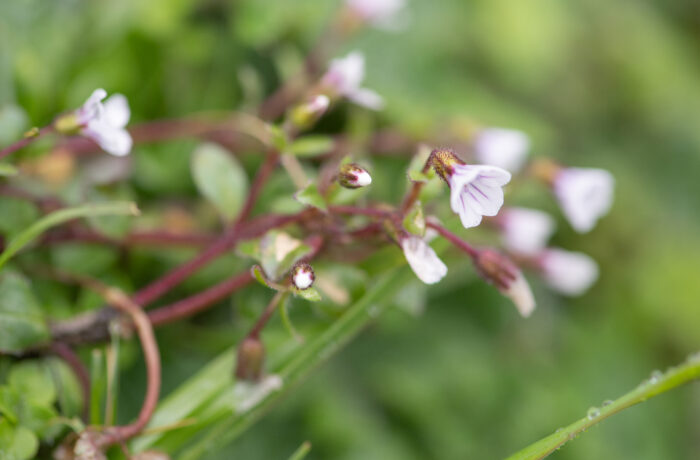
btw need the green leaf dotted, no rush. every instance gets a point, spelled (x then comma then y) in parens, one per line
(8, 401)
(310, 196)
(310, 146)
(61, 216)
(310, 294)
(414, 222)
(7, 170)
(418, 176)
(17, 443)
(278, 252)
(220, 178)
(22, 323)
(33, 380)
(262, 279)
(70, 396)
(279, 138)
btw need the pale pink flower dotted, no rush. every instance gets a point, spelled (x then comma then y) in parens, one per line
(584, 194)
(570, 273)
(525, 231)
(105, 122)
(505, 148)
(380, 13)
(344, 77)
(423, 260)
(499, 270)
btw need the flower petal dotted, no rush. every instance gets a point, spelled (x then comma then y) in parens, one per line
(116, 111)
(585, 195)
(366, 98)
(570, 273)
(423, 260)
(116, 141)
(505, 148)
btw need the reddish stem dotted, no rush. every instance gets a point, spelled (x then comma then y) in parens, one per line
(353, 210)
(454, 239)
(199, 302)
(24, 142)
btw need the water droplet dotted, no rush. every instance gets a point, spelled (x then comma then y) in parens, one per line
(655, 377)
(607, 402)
(592, 413)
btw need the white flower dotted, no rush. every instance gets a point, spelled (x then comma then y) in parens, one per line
(520, 293)
(584, 194)
(105, 122)
(476, 191)
(525, 231)
(381, 13)
(570, 273)
(344, 78)
(505, 148)
(425, 263)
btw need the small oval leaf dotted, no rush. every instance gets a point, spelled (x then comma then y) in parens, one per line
(220, 178)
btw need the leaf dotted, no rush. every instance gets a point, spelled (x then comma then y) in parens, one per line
(259, 275)
(220, 178)
(414, 222)
(310, 196)
(61, 216)
(7, 170)
(310, 146)
(33, 380)
(22, 323)
(279, 138)
(17, 443)
(310, 294)
(418, 176)
(278, 252)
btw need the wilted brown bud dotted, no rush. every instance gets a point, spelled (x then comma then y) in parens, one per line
(351, 175)
(498, 269)
(250, 359)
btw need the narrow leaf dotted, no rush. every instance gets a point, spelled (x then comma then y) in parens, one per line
(310, 146)
(61, 216)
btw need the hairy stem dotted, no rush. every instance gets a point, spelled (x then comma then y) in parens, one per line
(656, 385)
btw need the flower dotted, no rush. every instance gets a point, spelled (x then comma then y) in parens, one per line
(500, 271)
(381, 13)
(476, 190)
(584, 194)
(306, 114)
(302, 276)
(103, 122)
(525, 231)
(344, 78)
(352, 175)
(423, 261)
(570, 273)
(505, 148)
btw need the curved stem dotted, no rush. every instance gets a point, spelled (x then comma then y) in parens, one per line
(657, 384)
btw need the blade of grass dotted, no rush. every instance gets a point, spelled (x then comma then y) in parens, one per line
(61, 216)
(656, 385)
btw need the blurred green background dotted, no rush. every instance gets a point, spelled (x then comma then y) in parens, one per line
(603, 83)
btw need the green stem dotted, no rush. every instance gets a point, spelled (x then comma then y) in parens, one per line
(302, 451)
(307, 358)
(657, 384)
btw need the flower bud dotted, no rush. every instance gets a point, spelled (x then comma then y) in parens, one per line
(499, 270)
(302, 276)
(250, 358)
(304, 115)
(353, 176)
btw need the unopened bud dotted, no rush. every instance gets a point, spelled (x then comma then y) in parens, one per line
(499, 270)
(352, 175)
(249, 359)
(303, 276)
(304, 115)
